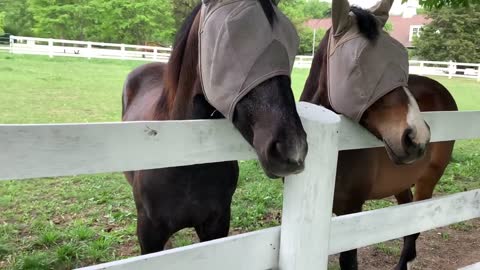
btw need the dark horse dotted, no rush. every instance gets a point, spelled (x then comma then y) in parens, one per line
(200, 196)
(378, 173)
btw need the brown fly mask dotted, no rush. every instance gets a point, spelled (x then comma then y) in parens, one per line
(367, 73)
(245, 62)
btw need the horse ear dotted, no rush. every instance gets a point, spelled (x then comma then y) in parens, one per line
(381, 10)
(340, 16)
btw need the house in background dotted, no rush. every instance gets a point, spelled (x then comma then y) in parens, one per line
(403, 17)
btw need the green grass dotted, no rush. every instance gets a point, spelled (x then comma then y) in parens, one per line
(68, 222)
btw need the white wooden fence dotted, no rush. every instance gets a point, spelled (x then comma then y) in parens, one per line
(73, 48)
(86, 49)
(308, 233)
(448, 69)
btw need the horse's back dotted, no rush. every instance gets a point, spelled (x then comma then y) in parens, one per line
(141, 92)
(431, 95)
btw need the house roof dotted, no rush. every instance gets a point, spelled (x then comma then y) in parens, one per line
(401, 26)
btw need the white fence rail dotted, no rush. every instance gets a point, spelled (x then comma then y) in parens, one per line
(86, 49)
(448, 69)
(308, 232)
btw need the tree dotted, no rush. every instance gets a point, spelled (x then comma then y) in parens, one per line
(435, 4)
(136, 22)
(2, 18)
(17, 20)
(316, 9)
(64, 19)
(299, 11)
(116, 21)
(181, 9)
(388, 27)
(453, 34)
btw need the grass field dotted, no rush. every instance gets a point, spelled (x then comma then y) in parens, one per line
(69, 222)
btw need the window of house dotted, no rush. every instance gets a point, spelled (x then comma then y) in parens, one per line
(414, 31)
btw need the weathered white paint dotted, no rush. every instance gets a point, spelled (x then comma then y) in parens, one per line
(256, 250)
(54, 150)
(308, 197)
(471, 267)
(366, 228)
(347, 232)
(30, 151)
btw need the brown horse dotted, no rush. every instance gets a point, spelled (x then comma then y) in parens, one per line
(200, 196)
(369, 174)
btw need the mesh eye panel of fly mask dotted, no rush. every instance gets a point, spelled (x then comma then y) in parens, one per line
(361, 71)
(239, 49)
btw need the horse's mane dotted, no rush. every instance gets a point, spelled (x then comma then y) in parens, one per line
(317, 78)
(174, 66)
(367, 23)
(177, 56)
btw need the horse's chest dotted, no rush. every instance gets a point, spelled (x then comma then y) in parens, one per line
(369, 174)
(186, 194)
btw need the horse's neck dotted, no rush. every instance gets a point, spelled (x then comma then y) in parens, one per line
(315, 90)
(188, 85)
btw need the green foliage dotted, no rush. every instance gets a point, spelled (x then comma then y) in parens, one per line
(306, 39)
(453, 34)
(316, 9)
(137, 22)
(2, 22)
(299, 11)
(181, 9)
(435, 4)
(18, 19)
(388, 27)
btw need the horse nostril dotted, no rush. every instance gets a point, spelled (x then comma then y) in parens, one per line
(407, 140)
(284, 153)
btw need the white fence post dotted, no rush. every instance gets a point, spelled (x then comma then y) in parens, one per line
(12, 41)
(451, 69)
(308, 197)
(50, 47)
(478, 73)
(155, 54)
(421, 68)
(122, 49)
(89, 50)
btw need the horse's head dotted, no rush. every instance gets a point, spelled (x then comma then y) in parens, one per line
(367, 79)
(396, 119)
(247, 50)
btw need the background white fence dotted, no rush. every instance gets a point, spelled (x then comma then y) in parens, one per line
(449, 69)
(86, 49)
(308, 232)
(59, 47)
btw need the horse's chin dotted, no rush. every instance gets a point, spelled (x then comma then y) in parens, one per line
(398, 159)
(281, 173)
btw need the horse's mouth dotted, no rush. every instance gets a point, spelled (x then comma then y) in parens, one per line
(283, 175)
(394, 157)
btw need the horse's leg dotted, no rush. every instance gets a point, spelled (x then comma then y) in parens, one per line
(348, 259)
(152, 235)
(216, 226)
(409, 251)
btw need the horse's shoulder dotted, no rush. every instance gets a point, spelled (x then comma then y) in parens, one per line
(143, 86)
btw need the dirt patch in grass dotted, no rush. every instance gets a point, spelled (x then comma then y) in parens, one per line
(447, 248)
